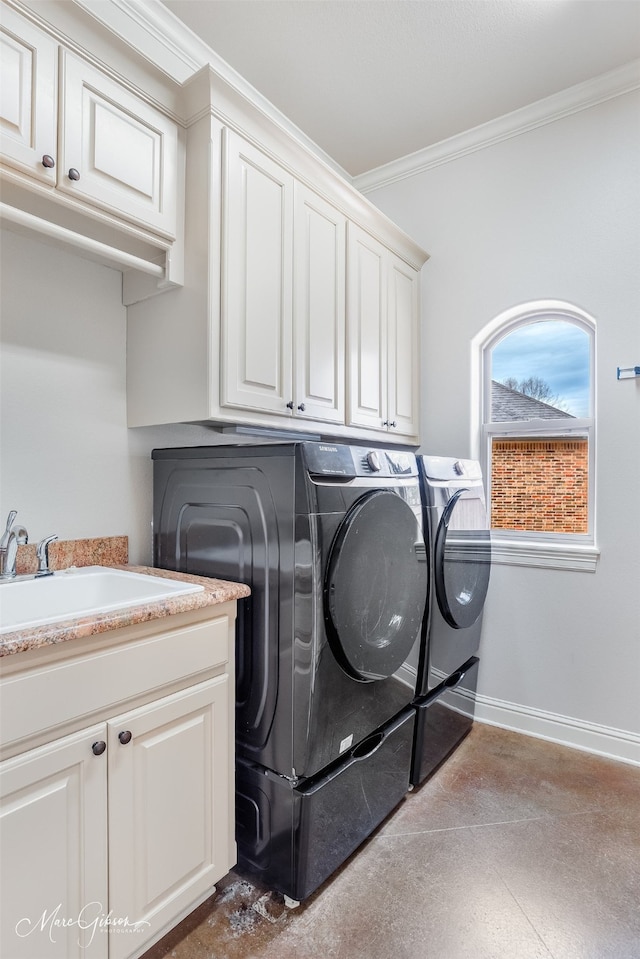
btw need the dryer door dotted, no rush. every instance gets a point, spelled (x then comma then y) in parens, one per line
(375, 586)
(462, 559)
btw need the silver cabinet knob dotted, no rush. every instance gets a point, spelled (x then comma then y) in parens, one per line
(48, 162)
(73, 174)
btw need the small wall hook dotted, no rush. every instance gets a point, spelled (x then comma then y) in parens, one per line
(627, 372)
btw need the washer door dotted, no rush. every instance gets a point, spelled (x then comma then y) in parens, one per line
(375, 586)
(462, 559)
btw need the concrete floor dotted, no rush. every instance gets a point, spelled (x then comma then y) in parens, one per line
(514, 849)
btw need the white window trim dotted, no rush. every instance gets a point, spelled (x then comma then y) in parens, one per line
(577, 552)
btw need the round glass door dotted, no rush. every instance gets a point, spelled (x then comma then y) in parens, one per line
(375, 586)
(462, 559)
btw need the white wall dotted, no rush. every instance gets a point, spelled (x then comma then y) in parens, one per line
(551, 214)
(68, 464)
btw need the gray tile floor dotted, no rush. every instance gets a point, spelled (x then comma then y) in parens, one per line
(515, 849)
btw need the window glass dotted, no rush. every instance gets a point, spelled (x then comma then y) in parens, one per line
(538, 425)
(541, 371)
(540, 485)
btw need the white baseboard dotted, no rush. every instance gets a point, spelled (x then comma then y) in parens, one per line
(605, 741)
(589, 737)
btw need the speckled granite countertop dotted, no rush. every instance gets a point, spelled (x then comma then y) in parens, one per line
(215, 591)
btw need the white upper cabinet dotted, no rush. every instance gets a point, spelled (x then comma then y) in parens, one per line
(87, 160)
(283, 269)
(382, 337)
(403, 347)
(116, 151)
(292, 315)
(367, 330)
(319, 307)
(256, 280)
(28, 97)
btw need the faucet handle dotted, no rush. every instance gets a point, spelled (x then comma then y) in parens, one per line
(42, 553)
(10, 518)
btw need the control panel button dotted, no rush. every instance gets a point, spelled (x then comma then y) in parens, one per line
(374, 461)
(459, 467)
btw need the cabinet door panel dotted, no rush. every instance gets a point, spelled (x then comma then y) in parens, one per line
(124, 150)
(256, 280)
(28, 103)
(366, 329)
(53, 814)
(319, 285)
(168, 807)
(404, 348)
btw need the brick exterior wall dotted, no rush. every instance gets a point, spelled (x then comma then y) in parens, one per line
(540, 485)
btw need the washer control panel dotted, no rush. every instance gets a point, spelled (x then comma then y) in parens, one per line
(349, 462)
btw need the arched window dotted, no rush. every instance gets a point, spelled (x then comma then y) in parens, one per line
(537, 444)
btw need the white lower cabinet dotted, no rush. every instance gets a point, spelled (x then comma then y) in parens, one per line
(53, 857)
(113, 833)
(168, 815)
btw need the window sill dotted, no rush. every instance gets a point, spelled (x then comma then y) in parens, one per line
(581, 559)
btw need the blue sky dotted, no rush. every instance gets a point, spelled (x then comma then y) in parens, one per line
(557, 352)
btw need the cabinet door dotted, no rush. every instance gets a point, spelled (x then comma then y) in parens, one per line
(319, 307)
(53, 850)
(28, 102)
(124, 150)
(256, 280)
(366, 330)
(403, 347)
(169, 816)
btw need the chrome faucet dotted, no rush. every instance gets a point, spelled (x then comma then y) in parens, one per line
(42, 552)
(12, 537)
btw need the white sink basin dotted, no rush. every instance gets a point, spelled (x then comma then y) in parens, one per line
(75, 593)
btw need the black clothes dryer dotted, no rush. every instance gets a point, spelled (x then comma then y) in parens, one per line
(459, 546)
(329, 538)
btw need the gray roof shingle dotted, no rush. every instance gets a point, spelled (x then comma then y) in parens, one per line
(508, 404)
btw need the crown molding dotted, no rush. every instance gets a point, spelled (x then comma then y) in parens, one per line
(615, 83)
(156, 33)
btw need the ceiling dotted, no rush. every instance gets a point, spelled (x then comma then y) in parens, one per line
(374, 80)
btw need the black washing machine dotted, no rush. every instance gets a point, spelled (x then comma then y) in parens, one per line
(329, 538)
(459, 548)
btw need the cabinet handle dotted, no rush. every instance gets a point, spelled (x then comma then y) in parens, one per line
(290, 405)
(393, 424)
(124, 737)
(301, 407)
(99, 747)
(386, 423)
(73, 174)
(48, 161)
